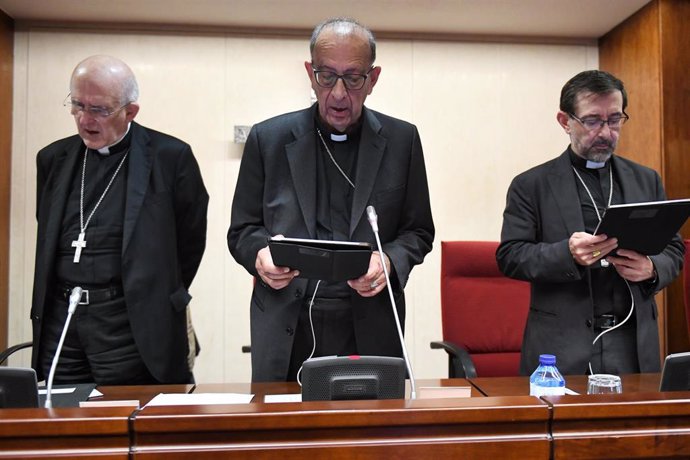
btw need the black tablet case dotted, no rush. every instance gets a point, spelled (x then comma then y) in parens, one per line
(321, 259)
(644, 227)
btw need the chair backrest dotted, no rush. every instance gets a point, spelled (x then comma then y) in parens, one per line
(482, 310)
(686, 282)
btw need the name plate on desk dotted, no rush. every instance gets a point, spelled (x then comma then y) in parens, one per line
(444, 392)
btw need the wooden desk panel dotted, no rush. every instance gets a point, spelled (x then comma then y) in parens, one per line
(469, 428)
(66, 433)
(629, 425)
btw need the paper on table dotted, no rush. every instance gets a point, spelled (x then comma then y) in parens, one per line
(297, 397)
(58, 391)
(182, 399)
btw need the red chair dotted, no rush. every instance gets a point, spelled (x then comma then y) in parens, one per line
(686, 282)
(483, 311)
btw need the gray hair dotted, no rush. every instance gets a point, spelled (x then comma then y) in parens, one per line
(113, 70)
(344, 26)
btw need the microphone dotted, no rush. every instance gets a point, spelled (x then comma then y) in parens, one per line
(74, 298)
(373, 221)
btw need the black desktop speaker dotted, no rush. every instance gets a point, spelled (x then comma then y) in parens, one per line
(18, 387)
(332, 378)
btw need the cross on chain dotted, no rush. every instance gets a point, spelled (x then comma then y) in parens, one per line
(79, 244)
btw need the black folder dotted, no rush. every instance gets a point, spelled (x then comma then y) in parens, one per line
(321, 259)
(644, 227)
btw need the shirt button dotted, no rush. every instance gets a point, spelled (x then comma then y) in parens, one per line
(298, 293)
(290, 331)
(588, 323)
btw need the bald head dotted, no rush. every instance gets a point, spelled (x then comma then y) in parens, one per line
(108, 73)
(103, 93)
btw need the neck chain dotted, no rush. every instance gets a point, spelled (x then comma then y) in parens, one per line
(333, 159)
(80, 243)
(596, 209)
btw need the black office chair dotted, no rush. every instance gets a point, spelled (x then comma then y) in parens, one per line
(14, 348)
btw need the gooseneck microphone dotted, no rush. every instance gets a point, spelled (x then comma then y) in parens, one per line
(74, 298)
(373, 221)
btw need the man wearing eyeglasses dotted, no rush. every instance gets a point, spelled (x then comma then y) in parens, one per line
(122, 214)
(311, 174)
(592, 302)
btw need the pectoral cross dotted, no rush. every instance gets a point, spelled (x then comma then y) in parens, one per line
(79, 244)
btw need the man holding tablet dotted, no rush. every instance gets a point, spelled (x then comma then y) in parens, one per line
(311, 174)
(590, 306)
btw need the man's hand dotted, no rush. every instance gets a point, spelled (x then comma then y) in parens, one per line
(275, 277)
(374, 280)
(632, 265)
(587, 249)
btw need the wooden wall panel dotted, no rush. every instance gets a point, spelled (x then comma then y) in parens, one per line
(674, 23)
(6, 71)
(631, 51)
(649, 52)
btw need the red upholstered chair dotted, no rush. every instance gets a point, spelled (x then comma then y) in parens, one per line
(483, 311)
(686, 282)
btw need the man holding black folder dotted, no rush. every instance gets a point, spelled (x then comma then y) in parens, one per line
(311, 174)
(592, 302)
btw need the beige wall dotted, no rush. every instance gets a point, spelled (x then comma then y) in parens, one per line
(485, 111)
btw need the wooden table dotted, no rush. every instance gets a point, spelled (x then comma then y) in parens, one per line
(499, 421)
(65, 432)
(519, 386)
(477, 427)
(639, 423)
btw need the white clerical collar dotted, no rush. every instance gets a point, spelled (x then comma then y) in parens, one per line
(106, 150)
(594, 165)
(338, 137)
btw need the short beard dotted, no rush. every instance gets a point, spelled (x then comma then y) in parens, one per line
(598, 155)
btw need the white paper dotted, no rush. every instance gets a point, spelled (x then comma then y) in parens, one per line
(95, 393)
(183, 399)
(57, 391)
(297, 397)
(568, 391)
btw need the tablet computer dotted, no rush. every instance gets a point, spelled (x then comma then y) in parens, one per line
(675, 375)
(644, 227)
(321, 259)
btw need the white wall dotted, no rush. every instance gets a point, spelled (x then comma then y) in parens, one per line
(485, 112)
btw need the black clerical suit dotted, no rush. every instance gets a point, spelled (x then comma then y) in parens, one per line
(163, 203)
(277, 192)
(543, 210)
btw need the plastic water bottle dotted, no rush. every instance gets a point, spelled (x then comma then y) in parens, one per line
(546, 380)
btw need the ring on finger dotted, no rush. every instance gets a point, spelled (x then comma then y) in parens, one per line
(596, 254)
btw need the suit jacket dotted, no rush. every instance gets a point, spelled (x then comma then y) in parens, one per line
(164, 236)
(276, 194)
(542, 212)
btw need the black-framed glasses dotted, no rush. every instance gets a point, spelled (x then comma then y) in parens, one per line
(95, 111)
(594, 123)
(328, 79)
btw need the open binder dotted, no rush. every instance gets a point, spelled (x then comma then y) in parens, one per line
(644, 227)
(321, 259)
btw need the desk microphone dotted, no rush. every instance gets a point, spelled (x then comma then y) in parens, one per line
(373, 221)
(74, 299)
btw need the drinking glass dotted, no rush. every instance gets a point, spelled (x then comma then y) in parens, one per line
(604, 384)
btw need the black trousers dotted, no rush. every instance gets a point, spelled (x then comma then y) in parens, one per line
(333, 328)
(616, 351)
(99, 346)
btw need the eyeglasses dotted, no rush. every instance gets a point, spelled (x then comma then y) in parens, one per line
(594, 123)
(93, 110)
(328, 79)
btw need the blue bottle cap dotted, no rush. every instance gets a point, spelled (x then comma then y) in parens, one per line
(547, 360)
